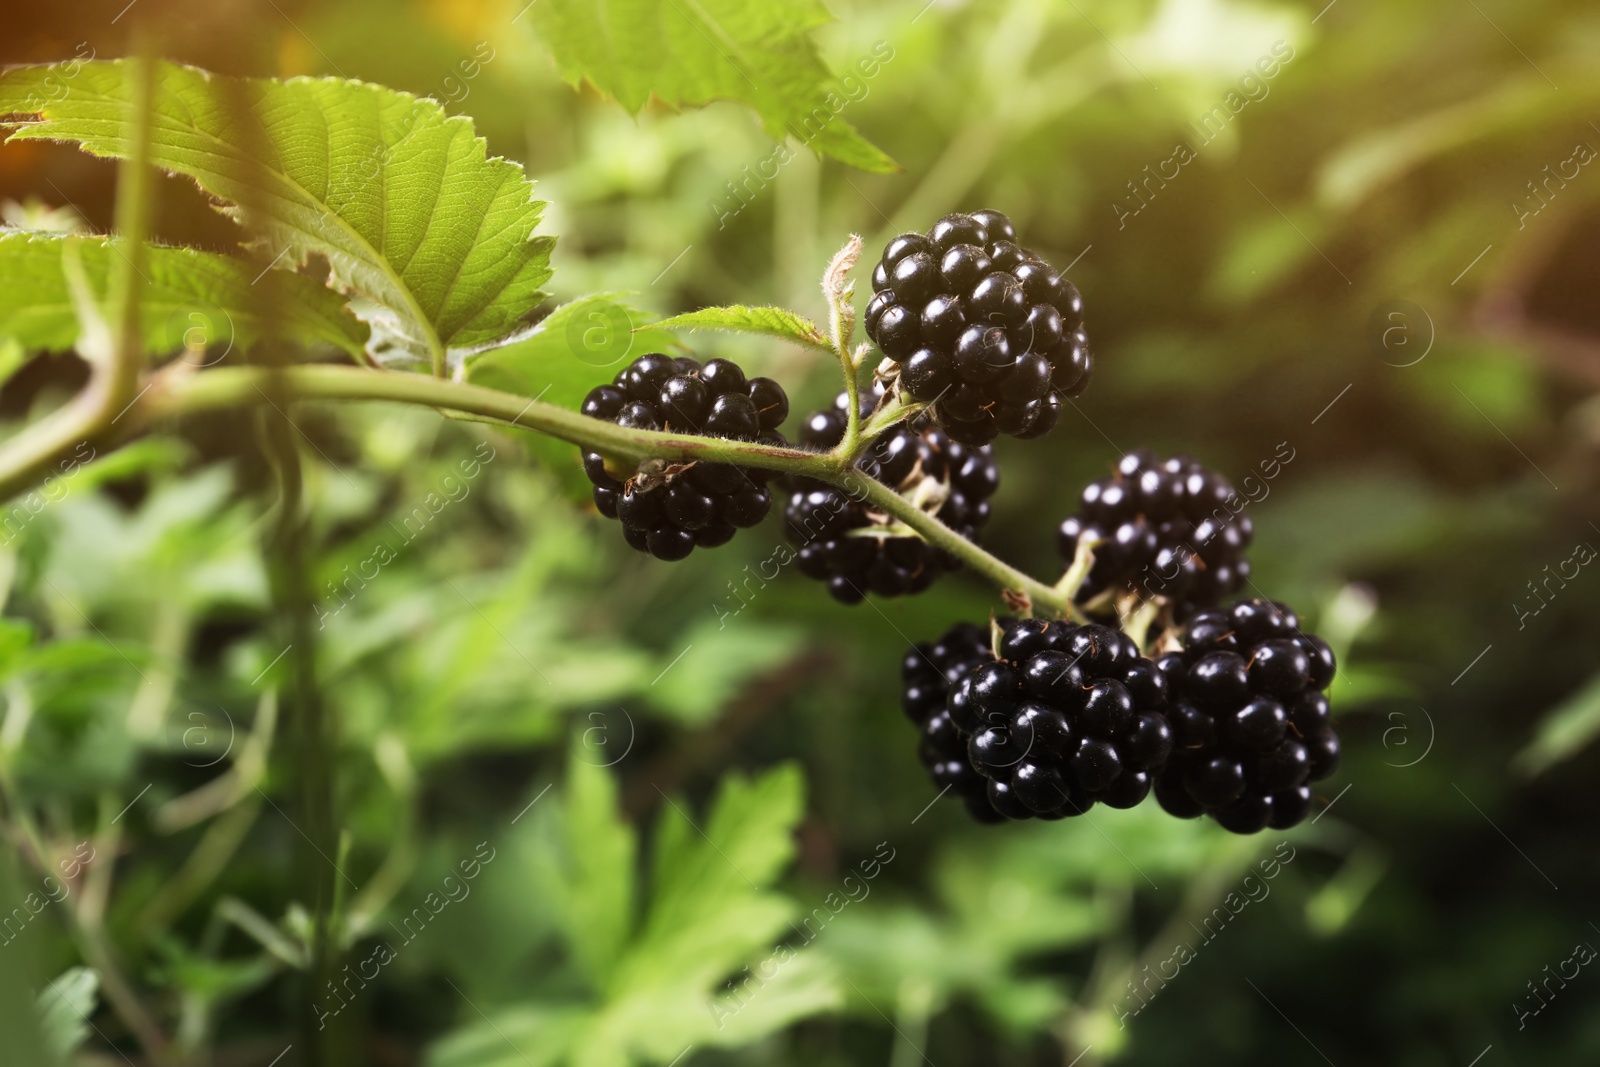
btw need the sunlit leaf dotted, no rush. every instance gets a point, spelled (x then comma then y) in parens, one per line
(65, 1004)
(433, 237)
(771, 321)
(192, 301)
(760, 54)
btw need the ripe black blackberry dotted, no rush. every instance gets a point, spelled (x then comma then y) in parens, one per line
(987, 330)
(928, 671)
(1067, 716)
(1250, 718)
(1169, 528)
(669, 509)
(849, 545)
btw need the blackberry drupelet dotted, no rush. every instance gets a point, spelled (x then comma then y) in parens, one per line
(669, 509)
(1250, 718)
(851, 546)
(1066, 717)
(1169, 528)
(986, 330)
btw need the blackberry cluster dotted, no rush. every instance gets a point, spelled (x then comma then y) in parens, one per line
(670, 511)
(1166, 529)
(1250, 718)
(1065, 717)
(839, 540)
(986, 330)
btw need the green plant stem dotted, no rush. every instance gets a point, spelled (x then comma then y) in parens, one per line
(308, 722)
(173, 395)
(111, 348)
(231, 387)
(839, 292)
(1040, 596)
(98, 953)
(84, 921)
(852, 442)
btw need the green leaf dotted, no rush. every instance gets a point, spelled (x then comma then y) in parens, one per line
(576, 347)
(195, 301)
(771, 321)
(711, 913)
(65, 1005)
(12, 356)
(595, 896)
(1569, 727)
(433, 237)
(744, 844)
(718, 659)
(1371, 160)
(21, 1014)
(691, 53)
(16, 640)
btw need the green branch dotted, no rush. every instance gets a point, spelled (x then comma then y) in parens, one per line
(177, 392)
(1039, 595)
(111, 347)
(181, 392)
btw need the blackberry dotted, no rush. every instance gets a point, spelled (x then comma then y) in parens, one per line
(1168, 529)
(928, 672)
(670, 509)
(1066, 717)
(852, 547)
(986, 331)
(1250, 718)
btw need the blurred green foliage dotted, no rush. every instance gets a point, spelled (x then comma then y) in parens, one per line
(675, 765)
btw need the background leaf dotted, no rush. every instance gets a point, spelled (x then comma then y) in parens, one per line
(598, 847)
(576, 347)
(190, 298)
(65, 1005)
(1565, 730)
(711, 909)
(400, 199)
(693, 53)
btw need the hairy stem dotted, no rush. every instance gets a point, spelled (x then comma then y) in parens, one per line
(840, 292)
(174, 395)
